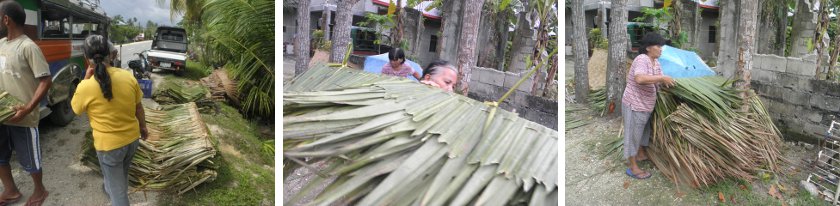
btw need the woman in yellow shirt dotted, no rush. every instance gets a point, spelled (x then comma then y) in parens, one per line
(112, 102)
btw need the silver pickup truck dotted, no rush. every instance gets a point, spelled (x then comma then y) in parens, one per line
(169, 50)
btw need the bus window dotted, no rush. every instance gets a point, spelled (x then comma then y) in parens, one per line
(55, 25)
(83, 28)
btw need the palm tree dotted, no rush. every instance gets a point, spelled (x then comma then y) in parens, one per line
(617, 66)
(242, 32)
(467, 44)
(822, 30)
(341, 33)
(192, 9)
(302, 38)
(547, 17)
(746, 30)
(581, 55)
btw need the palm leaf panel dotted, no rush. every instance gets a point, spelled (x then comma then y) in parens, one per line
(392, 141)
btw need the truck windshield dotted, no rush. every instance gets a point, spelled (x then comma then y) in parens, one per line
(174, 40)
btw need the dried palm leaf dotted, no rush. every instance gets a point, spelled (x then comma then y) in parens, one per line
(177, 155)
(700, 137)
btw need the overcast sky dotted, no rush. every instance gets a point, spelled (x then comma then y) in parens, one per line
(141, 9)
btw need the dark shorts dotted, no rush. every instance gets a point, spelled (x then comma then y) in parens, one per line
(23, 140)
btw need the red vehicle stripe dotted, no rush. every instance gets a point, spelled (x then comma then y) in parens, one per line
(55, 50)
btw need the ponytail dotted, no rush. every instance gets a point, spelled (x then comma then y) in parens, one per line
(101, 75)
(96, 48)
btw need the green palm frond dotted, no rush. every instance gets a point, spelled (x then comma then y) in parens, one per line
(242, 33)
(7, 104)
(392, 141)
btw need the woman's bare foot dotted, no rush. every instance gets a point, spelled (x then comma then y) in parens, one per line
(641, 157)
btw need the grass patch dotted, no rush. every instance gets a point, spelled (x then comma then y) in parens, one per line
(242, 179)
(196, 70)
(244, 184)
(240, 133)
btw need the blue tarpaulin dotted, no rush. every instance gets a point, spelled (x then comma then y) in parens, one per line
(375, 63)
(678, 63)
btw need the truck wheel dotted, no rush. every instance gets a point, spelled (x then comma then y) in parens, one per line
(62, 113)
(180, 72)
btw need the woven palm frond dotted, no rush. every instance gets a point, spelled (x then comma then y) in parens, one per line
(177, 155)
(177, 91)
(392, 141)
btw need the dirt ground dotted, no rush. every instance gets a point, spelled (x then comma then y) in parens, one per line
(67, 180)
(594, 178)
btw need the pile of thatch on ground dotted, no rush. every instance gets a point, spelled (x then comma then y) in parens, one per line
(7, 104)
(177, 91)
(176, 155)
(392, 141)
(221, 87)
(572, 123)
(701, 136)
(598, 100)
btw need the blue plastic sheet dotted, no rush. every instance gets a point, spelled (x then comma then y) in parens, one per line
(678, 63)
(375, 63)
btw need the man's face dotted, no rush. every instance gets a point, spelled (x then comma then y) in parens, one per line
(4, 21)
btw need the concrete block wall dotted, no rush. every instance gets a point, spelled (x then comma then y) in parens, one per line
(801, 106)
(490, 84)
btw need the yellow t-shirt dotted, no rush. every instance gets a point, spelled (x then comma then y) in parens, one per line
(113, 122)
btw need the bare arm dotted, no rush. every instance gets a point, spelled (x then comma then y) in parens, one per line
(654, 79)
(40, 92)
(141, 118)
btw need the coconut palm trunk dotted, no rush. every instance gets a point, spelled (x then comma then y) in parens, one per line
(617, 66)
(781, 34)
(341, 33)
(581, 55)
(467, 44)
(822, 29)
(746, 29)
(302, 38)
(327, 20)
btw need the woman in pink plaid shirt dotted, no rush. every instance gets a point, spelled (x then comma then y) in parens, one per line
(396, 65)
(643, 80)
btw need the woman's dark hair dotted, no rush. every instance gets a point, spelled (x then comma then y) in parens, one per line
(96, 49)
(650, 39)
(432, 67)
(396, 54)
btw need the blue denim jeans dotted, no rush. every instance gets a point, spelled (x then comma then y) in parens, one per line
(115, 165)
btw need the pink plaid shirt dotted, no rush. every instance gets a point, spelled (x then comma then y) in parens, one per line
(404, 71)
(641, 98)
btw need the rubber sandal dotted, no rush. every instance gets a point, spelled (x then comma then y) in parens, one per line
(38, 202)
(630, 173)
(10, 201)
